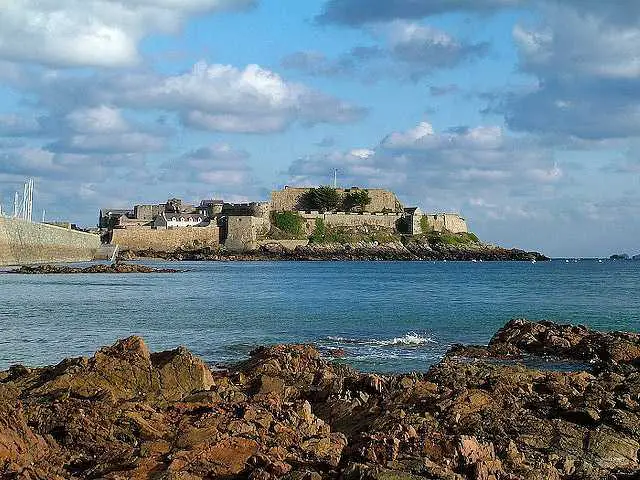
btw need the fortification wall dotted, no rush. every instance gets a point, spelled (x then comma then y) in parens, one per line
(387, 220)
(254, 209)
(243, 233)
(23, 243)
(447, 221)
(167, 240)
(290, 199)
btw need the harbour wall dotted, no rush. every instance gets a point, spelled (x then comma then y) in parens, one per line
(23, 243)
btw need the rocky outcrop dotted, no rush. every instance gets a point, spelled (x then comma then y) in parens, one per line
(362, 251)
(286, 412)
(98, 268)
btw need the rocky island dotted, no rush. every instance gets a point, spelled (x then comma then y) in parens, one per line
(112, 268)
(482, 413)
(298, 223)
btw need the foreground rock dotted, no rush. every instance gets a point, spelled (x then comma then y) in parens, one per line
(288, 413)
(100, 268)
(363, 251)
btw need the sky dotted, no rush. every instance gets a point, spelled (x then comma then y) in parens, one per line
(522, 115)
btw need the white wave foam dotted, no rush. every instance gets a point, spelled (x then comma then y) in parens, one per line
(411, 339)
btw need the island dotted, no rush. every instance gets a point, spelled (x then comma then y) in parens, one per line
(298, 223)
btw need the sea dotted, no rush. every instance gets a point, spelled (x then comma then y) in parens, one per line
(376, 316)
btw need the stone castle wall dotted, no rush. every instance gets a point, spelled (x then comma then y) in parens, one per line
(387, 220)
(452, 222)
(290, 199)
(243, 232)
(23, 243)
(167, 240)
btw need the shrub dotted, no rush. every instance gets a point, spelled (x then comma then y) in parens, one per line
(288, 222)
(424, 224)
(322, 199)
(319, 232)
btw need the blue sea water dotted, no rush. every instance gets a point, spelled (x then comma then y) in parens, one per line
(385, 316)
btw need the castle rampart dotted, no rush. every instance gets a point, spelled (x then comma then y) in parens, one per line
(451, 222)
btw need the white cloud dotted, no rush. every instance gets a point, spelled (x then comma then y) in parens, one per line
(586, 58)
(225, 98)
(407, 49)
(13, 125)
(104, 33)
(424, 137)
(100, 119)
(218, 165)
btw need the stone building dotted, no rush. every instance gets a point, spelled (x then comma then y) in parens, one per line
(180, 220)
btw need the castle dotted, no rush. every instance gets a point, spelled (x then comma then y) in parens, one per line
(245, 226)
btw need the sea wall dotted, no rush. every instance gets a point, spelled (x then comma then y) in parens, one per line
(167, 240)
(23, 243)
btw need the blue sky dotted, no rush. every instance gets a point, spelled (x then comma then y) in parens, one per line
(523, 115)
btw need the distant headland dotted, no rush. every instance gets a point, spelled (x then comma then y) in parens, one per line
(298, 223)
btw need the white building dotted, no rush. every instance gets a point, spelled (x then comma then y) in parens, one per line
(180, 220)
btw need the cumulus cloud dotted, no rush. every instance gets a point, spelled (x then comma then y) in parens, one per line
(585, 56)
(478, 161)
(220, 165)
(99, 130)
(14, 125)
(212, 97)
(417, 49)
(69, 33)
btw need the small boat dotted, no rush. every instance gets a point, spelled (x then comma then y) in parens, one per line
(533, 261)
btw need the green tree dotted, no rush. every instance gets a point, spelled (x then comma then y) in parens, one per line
(322, 199)
(356, 198)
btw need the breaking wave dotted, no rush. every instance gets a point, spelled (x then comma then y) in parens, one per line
(411, 339)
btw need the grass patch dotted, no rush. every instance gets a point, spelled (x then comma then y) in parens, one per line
(448, 238)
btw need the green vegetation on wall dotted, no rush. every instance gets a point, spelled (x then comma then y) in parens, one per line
(289, 222)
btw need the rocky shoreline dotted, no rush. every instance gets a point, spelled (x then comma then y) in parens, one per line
(114, 268)
(396, 251)
(479, 414)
